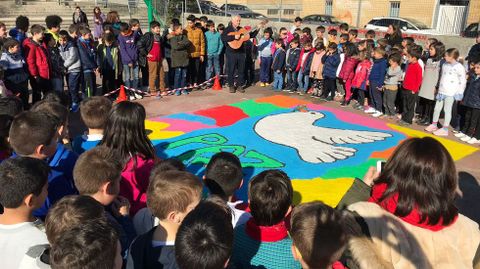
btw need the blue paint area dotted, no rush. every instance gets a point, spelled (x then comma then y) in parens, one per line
(242, 134)
(192, 117)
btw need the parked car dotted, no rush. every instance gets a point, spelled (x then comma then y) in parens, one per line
(325, 20)
(472, 30)
(251, 15)
(234, 8)
(410, 26)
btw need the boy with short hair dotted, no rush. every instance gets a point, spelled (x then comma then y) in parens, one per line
(278, 65)
(214, 48)
(263, 240)
(331, 61)
(318, 236)
(352, 35)
(24, 184)
(343, 28)
(127, 42)
(92, 245)
(73, 31)
(97, 174)
(35, 134)
(206, 230)
(87, 52)
(265, 56)
(94, 113)
(109, 64)
(320, 31)
(392, 78)
(292, 57)
(196, 51)
(53, 25)
(375, 82)
(332, 36)
(180, 61)
(297, 23)
(15, 76)
(57, 70)
(303, 67)
(150, 54)
(67, 213)
(411, 84)
(71, 61)
(171, 196)
(223, 176)
(38, 62)
(370, 34)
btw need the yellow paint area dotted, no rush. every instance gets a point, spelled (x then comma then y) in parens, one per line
(157, 130)
(456, 149)
(329, 191)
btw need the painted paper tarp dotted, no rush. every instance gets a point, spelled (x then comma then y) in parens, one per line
(322, 149)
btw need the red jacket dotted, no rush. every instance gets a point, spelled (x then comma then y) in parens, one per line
(361, 75)
(37, 59)
(348, 68)
(413, 77)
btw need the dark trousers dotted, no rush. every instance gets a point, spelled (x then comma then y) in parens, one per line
(292, 80)
(265, 68)
(193, 74)
(360, 96)
(472, 123)
(144, 71)
(21, 89)
(376, 96)
(236, 64)
(330, 86)
(73, 84)
(109, 83)
(90, 84)
(409, 100)
(39, 86)
(389, 98)
(170, 79)
(250, 71)
(426, 111)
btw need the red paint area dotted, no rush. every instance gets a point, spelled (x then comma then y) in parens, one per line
(223, 115)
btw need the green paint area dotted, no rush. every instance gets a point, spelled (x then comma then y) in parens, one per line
(352, 171)
(252, 108)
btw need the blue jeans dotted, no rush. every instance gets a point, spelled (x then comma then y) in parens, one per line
(265, 67)
(57, 84)
(303, 80)
(277, 80)
(292, 80)
(180, 77)
(130, 76)
(73, 80)
(213, 65)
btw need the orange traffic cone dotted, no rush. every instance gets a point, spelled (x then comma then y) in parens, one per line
(122, 96)
(216, 85)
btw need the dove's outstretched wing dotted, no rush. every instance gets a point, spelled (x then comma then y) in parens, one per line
(339, 136)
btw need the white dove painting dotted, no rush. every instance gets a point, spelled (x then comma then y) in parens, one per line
(314, 144)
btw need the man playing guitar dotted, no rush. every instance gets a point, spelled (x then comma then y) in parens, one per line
(232, 35)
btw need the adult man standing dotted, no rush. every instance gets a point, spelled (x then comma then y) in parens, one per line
(235, 57)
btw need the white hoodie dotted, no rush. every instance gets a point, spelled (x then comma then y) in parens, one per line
(453, 79)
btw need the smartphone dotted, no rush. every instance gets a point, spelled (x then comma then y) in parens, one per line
(380, 165)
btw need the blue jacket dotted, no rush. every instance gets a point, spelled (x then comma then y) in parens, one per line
(472, 93)
(378, 72)
(14, 66)
(330, 65)
(292, 59)
(87, 53)
(81, 144)
(214, 43)
(265, 47)
(279, 60)
(128, 48)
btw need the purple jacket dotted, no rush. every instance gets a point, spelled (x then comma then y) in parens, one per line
(128, 48)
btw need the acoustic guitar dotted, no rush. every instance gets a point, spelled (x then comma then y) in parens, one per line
(244, 35)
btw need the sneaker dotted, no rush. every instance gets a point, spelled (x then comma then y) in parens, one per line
(300, 93)
(178, 93)
(310, 91)
(329, 99)
(286, 90)
(74, 108)
(466, 138)
(267, 84)
(432, 128)
(232, 90)
(377, 114)
(292, 91)
(164, 93)
(262, 84)
(460, 135)
(184, 92)
(358, 107)
(473, 141)
(403, 123)
(441, 132)
(370, 110)
(316, 96)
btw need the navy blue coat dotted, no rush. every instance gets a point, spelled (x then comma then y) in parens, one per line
(279, 60)
(87, 53)
(330, 65)
(293, 55)
(378, 72)
(472, 93)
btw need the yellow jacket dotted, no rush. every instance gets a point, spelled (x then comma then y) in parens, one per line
(197, 39)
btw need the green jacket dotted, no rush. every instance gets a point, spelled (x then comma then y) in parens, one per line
(180, 46)
(101, 61)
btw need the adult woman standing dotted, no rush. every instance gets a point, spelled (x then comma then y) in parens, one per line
(79, 17)
(394, 35)
(411, 217)
(98, 19)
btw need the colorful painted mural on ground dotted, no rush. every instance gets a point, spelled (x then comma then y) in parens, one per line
(322, 149)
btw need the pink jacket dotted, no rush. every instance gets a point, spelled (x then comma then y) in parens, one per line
(348, 68)
(134, 183)
(361, 75)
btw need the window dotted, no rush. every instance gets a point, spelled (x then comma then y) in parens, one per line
(272, 11)
(328, 7)
(288, 11)
(394, 9)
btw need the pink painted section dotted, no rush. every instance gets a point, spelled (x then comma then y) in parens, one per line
(352, 118)
(182, 125)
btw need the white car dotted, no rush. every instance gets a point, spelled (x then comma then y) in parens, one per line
(409, 26)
